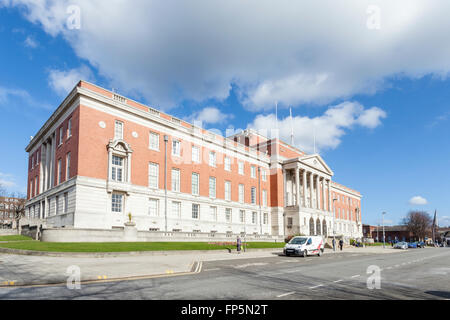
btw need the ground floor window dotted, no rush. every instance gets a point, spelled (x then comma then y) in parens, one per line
(195, 211)
(153, 207)
(117, 203)
(254, 217)
(228, 214)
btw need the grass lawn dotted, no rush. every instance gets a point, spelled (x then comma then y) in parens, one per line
(14, 238)
(129, 246)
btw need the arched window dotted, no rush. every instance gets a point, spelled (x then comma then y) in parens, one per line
(318, 229)
(324, 228)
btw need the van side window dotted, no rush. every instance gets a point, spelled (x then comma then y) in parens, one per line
(309, 241)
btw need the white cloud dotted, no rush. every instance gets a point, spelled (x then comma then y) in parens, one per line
(210, 115)
(291, 51)
(7, 180)
(62, 82)
(14, 98)
(418, 201)
(328, 128)
(444, 221)
(30, 42)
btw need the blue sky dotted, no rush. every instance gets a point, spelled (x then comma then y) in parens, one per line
(378, 100)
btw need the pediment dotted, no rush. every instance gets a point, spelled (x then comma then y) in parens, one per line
(315, 161)
(120, 146)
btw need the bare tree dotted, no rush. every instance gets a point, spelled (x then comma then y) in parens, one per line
(18, 207)
(418, 223)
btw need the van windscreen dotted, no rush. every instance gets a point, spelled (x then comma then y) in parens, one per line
(298, 241)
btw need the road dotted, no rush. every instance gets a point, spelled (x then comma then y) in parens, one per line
(411, 274)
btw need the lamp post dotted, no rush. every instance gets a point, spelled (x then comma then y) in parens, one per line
(382, 221)
(166, 139)
(334, 225)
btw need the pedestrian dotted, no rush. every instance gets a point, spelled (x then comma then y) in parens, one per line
(238, 244)
(334, 244)
(341, 244)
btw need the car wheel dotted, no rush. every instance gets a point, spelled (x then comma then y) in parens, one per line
(320, 253)
(288, 254)
(305, 253)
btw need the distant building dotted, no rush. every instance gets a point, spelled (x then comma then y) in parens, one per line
(8, 207)
(392, 233)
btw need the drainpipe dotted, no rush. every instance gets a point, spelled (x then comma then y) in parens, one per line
(166, 139)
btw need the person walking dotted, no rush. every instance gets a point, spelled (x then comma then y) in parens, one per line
(238, 244)
(341, 244)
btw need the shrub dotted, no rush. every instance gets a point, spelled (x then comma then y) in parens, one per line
(288, 238)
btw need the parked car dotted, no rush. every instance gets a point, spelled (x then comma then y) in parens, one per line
(412, 245)
(304, 246)
(421, 244)
(401, 245)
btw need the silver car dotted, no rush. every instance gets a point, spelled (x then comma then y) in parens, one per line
(401, 245)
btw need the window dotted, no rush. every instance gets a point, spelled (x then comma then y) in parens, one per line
(227, 164)
(59, 172)
(212, 187)
(176, 209)
(195, 154)
(68, 166)
(241, 168)
(117, 169)
(37, 157)
(118, 130)
(153, 175)
(66, 202)
(176, 180)
(32, 162)
(57, 205)
(212, 159)
(176, 148)
(228, 214)
(213, 213)
(61, 135)
(153, 207)
(253, 172)
(242, 216)
(253, 195)
(254, 217)
(195, 211)
(263, 175)
(154, 141)
(264, 198)
(241, 193)
(228, 190)
(69, 128)
(35, 186)
(117, 203)
(195, 184)
(265, 218)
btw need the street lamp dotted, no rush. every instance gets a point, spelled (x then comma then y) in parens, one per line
(166, 139)
(334, 225)
(382, 221)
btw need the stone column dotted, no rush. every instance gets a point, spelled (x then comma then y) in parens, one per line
(311, 189)
(297, 184)
(329, 195)
(323, 194)
(304, 188)
(285, 188)
(317, 192)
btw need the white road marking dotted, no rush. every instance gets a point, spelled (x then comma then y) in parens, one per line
(213, 269)
(389, 267)
(397, 265)
(338, 281)
(320, 285)
(249, 265)
(285, 294)
(355, 276)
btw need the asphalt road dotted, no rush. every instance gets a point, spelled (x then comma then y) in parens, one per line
(411, 274)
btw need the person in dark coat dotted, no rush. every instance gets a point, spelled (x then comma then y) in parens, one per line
(238, 244)
(341, 244)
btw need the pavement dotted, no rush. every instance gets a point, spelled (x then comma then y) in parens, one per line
(28, 270)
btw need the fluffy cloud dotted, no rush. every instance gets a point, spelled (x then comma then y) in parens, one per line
(444, 221)
(7, 180)
(62, 82)
(293, 52)
(210, 115)
(19, 98)
(418, 201)
(30, 42)
(327, 128)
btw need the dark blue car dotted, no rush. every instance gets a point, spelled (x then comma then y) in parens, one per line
(412, 244)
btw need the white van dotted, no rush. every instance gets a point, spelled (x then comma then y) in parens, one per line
(304, 246)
